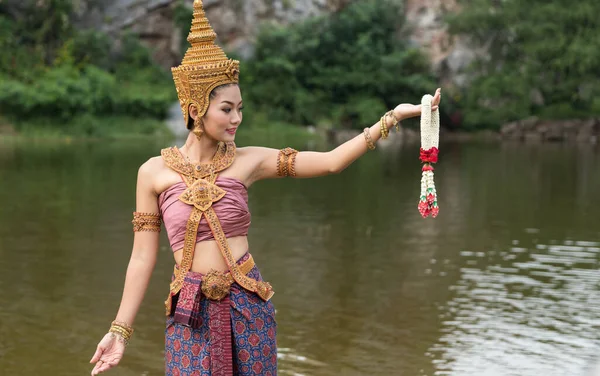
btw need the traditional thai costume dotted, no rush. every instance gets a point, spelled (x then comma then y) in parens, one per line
(217, 323)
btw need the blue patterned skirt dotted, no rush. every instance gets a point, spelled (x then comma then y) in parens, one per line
(189, 348)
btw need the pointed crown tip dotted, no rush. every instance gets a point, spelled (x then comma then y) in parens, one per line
(204, 66)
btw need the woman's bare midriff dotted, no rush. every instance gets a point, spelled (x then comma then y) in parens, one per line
(207, 255)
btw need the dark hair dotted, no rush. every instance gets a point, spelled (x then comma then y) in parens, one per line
(213, 94)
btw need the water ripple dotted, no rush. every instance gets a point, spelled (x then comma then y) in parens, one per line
(536, 315)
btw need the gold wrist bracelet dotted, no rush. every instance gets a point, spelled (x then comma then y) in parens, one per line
(120, 338)
(383, 128)
(123, 325)
(395, 119)
(367, 134)
(122, 329)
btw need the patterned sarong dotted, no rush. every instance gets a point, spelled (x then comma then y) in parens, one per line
(190, 349)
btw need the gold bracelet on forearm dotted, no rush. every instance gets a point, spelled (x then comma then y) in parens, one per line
(395, 119)
(119, 338)
(370, 143)
(123, 325)
(383, 124)
(383, 128)
(122, 330)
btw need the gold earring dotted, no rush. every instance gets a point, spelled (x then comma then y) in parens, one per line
(198, 128)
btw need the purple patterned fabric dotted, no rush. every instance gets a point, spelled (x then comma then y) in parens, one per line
(188, 300)
(219, 325)
(232, 211)
(189, 349)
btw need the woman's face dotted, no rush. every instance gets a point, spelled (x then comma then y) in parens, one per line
(224, 114)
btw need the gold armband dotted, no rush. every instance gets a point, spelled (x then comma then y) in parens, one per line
(286, 162)
(146, 222)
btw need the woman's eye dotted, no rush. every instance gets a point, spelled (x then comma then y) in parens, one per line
(241, 108)
(227, 110)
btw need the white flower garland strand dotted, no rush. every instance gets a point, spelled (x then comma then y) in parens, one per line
(430, 137)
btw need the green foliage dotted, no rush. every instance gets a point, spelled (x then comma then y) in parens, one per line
(544, 49)
(32, 42)
(92, 47)
(49, 70)
(65, 91)
(60, 92)
(345, 68)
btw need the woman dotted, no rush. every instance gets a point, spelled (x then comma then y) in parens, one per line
(220, 320)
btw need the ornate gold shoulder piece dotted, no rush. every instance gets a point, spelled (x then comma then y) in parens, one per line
(223, 158)
(175, 161)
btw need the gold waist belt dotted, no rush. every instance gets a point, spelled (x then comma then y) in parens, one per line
(216, 285)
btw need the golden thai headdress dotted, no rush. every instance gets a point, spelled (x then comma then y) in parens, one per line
(204, 66)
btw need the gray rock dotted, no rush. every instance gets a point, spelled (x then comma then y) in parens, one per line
(552, 131)
(514, 136)
(588, 130)
(532, 129)
(510, 128)
(532, 137)
(529, 123)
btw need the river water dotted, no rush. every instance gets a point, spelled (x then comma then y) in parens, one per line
(504, 282)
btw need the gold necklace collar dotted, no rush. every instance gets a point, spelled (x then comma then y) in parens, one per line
(222, 159)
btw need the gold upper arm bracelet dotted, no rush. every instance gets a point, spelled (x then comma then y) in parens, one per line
(286, 162)
(146, 222)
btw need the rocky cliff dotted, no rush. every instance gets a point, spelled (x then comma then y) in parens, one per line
(237, 23)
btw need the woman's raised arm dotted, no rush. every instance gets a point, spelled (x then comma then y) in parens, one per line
(307, 164)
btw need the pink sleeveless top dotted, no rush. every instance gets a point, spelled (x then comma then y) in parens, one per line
(232, 211)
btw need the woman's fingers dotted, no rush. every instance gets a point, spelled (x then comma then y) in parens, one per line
(97, 354)
(105, 367)
(102, 366)
(437, 97)
(96, 368)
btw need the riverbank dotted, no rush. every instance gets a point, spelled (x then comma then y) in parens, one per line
(407, 135)
(88, 127)
(91, 128)
(531, 130)
(85, 127)
(534, 129)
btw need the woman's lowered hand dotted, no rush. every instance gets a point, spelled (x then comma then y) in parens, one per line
(108, 354)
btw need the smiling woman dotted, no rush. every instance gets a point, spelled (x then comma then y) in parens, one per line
(218, 118)
(220, 320)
